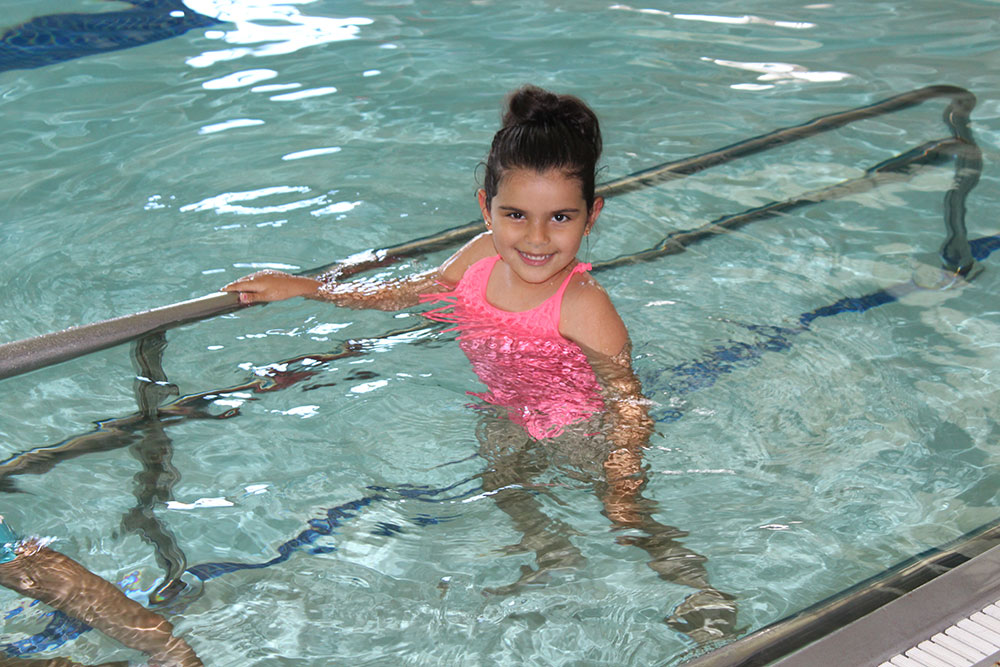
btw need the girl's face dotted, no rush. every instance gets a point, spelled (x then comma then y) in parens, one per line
(538, 220)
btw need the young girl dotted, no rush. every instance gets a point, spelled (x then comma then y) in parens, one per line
(541, 333)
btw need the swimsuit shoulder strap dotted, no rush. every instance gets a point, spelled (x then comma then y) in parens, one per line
(476, 277)
(553, 306)
(581, 267)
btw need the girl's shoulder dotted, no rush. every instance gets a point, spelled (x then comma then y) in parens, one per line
(589, 318)
(583, 291)
(455, 266)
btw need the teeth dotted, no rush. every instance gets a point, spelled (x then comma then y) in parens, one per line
(534, 258)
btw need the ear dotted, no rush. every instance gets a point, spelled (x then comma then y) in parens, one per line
(487, 217)
(595, 211)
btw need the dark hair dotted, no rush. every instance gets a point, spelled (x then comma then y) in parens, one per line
(541, 131)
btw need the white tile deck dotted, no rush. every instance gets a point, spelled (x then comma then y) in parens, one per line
(974, 640)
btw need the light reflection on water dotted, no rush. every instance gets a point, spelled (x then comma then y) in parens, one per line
(277, 28)
(778, 73)
(746, 19)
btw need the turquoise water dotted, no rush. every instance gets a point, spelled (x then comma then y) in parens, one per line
(294, 134)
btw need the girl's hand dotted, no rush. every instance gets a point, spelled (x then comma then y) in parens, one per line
(266, 286)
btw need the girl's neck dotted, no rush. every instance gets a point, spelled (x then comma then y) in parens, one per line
(507, 291)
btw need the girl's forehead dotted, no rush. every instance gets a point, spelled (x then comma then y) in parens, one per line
(530, 182)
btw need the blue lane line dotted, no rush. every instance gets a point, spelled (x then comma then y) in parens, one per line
(724, 359)
(334, 519)
(60, 630)
(47, 40)
(686, 377)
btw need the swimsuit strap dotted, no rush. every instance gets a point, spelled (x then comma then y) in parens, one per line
(471, 291)
(551, 309)
(581, 267)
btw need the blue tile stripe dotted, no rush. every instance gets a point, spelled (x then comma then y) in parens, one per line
(55, 38)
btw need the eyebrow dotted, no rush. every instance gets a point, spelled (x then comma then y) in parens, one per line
(518, 209)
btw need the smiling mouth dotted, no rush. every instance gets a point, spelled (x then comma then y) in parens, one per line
(535, 260)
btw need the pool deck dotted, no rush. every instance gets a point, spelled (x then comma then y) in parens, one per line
(951, 621)
(939, 611)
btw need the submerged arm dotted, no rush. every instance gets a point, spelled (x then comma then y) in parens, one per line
(373, 293)
(60, 582)
(378, 294)
(393, 294)
(590, 319)
(629, 428)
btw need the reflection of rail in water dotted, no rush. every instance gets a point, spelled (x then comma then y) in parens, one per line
(679, 379)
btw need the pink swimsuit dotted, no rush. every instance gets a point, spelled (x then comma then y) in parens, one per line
(543, 379)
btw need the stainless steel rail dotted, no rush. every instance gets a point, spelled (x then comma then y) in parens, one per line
(52, 348)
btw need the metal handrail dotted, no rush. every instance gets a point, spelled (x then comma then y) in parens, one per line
(30, 354)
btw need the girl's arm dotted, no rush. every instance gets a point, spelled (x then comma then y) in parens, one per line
(61, 582)
(629, 429)
(376, 294)
(590, 320)
(391, 294)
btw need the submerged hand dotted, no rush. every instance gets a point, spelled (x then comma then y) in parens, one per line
(265, 286)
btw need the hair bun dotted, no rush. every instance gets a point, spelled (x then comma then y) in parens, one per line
(531, 105)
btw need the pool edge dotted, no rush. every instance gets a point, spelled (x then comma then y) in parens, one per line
(785, 641)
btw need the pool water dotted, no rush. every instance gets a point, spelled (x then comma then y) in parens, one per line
(292, 134)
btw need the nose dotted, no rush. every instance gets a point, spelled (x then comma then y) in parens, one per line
(538, 233)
